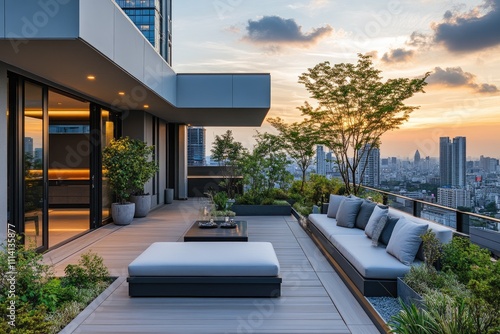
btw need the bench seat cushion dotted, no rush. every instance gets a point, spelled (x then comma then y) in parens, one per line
(370, 261)
(206, 259)
(329, 227)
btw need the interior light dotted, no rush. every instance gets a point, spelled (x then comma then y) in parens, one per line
(121, 93)
(90, 77)
(146, 106)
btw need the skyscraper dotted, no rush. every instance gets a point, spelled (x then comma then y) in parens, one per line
(416, 159)
(459, 160)
(154, 19)
(370, 163)
(320, 160)
(452, 161)
(196, 146)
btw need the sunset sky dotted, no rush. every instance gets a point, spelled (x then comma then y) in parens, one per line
(458, 41)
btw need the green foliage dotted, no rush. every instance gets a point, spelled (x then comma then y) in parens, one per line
(465, 259)
(228, 153)
(432, 248)
(299, 141)
(303, 209)
(41, 300)
(355, 108)
(89, 271)
(462, 298)
(411, 320)
(128, 166)
(220, 200)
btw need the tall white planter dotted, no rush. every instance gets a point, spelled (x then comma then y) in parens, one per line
(122, 214)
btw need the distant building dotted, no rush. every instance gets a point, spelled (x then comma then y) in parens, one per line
(196, 146)
(320, 160)
(453, 197)
(28, 147)
(488, 165)
(370, 163)
(452, 161)
(416, 159)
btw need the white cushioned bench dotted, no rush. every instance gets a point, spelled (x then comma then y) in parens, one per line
(206, 269)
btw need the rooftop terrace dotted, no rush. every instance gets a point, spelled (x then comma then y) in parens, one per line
(314, 298)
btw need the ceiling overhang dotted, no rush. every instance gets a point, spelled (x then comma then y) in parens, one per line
(128, 73)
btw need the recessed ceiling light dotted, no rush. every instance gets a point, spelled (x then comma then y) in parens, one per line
(90, 77)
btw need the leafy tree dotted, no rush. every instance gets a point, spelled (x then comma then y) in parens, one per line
(228, 153)
(265, 167)
(298, 140)
(355, 108)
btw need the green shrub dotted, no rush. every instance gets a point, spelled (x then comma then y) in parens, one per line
(465, 258)
(89, 271)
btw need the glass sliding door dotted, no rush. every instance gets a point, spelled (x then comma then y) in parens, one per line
(33, 165)
(69, 167)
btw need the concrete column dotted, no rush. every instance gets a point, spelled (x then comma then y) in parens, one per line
(3, 151)
(182, 163)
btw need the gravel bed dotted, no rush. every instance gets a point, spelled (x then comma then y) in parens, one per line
(385, 306)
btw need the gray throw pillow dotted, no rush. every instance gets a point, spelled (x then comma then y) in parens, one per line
(388, 228)
(377, 214)
(405, 240)
(333, 205)
(377, 231)
(364, 214)
(348, 210)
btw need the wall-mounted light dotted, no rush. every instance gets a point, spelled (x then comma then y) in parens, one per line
(90, 77)
(121, 93)
(146, 106)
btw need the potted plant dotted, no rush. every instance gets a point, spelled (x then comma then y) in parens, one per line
(145, 171)
(125, 165)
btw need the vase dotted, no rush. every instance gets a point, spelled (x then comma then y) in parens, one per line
(122, 214)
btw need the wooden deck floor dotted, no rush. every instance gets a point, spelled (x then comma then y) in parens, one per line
(314, 298)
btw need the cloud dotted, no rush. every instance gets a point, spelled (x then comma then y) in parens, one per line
(419, 40)
(398, 55)
(274, 31)
(471, 31)
(456, 77)
(312, 5)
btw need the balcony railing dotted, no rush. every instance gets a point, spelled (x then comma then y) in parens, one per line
(482, 230)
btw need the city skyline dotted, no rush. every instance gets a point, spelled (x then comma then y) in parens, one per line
(406, 38)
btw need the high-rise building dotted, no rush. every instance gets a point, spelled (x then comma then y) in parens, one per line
(416, 158)
(154, 19)
(320, 160)
(196, 146)
(452, 161)
(370, 164)
(459, 161)
(453, 197)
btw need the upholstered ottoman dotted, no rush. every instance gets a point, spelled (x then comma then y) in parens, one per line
(205, 269)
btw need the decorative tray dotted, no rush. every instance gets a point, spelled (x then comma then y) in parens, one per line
(227, 225)
(207, 225)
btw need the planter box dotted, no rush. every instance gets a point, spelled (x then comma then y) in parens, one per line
(408, 295)
(261, 210)
(486, 238)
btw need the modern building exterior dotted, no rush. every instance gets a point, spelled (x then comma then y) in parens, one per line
(452, 161)
(416, 158)
(453, 197)
(196, 145)
(369, 163)
(75, 74)
(154, 19)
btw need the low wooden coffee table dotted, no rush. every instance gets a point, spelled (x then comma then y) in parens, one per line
(238, 233)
